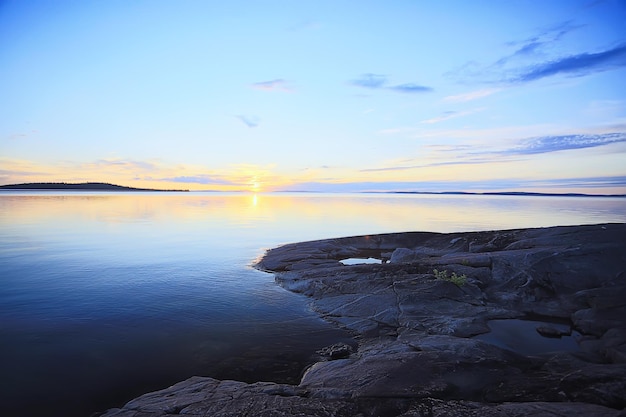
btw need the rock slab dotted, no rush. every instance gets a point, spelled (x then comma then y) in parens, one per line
(417, 353)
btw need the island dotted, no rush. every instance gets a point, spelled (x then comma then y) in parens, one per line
(523, 322)
(85, 186)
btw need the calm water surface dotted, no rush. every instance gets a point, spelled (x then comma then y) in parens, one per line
(105, 296)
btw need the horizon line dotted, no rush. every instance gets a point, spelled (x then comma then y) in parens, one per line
(115, 187)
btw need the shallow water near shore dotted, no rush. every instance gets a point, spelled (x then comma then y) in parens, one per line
(105, 296)
(521, 336)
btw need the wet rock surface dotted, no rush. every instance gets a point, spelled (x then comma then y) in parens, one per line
(418, 352)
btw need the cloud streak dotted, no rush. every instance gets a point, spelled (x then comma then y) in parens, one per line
(528, 61)
(472, 95)
(410, 88)
(534, 45)
(380, 82)
(200, 179)
(466, 161)
(124, 164)
(451, 115)
(22, 135)
(250, 121)
(499, 184)
(370, 81)
(525, 148)
(546, 144)
(277, 84)
(589, 182)
(577, 65)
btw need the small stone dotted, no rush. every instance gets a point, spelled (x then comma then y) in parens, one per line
(336, 351)
(549, 331)
(403, 255)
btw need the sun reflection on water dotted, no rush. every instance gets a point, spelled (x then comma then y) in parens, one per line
(286, 216)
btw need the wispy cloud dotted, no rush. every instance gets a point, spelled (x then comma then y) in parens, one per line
(577, 65)
(472, 95)
(110, 169)
(410, 88)
(486, 137)
(451, 115)
(479, 153)
(119, 164)
(370, 81)
(547, 144)
(459, 160)
(587, 182)
(232, 177)
(250, 121)
(527, 49)
(200, 179)
(491, 185)
(388, 169)
(445, 116)
(22, 135)
(278, 84)
(379, 81)
(535, 45)
(135, 172)
(18, 169)
(541, 56)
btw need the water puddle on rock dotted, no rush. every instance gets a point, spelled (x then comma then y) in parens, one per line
(358, 261)
(522, 336)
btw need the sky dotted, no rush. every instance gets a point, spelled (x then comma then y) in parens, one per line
(328, 96)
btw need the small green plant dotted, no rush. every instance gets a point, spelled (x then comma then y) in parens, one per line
(458, 280)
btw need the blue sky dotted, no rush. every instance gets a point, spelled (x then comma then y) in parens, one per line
(315, 95)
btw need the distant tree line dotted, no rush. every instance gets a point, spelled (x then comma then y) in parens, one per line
(85, 186)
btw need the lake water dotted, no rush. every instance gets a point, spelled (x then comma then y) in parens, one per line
(105, 296)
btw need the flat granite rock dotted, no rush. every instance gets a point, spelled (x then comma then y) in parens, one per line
(416, 316)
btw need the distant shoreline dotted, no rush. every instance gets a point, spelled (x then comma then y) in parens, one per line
(503, 193)
(101, 186)
(490, 193)
(86, 186)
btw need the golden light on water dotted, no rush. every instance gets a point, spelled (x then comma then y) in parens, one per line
(314, 216)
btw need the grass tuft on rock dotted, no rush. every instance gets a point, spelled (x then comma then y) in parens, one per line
(458, 280)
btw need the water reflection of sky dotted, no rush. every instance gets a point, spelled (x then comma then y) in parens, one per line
(326, 213)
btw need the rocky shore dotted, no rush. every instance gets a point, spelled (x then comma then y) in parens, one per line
(442, 324)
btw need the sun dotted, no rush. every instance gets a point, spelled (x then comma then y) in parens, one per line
(255, 184)
(255, 179)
